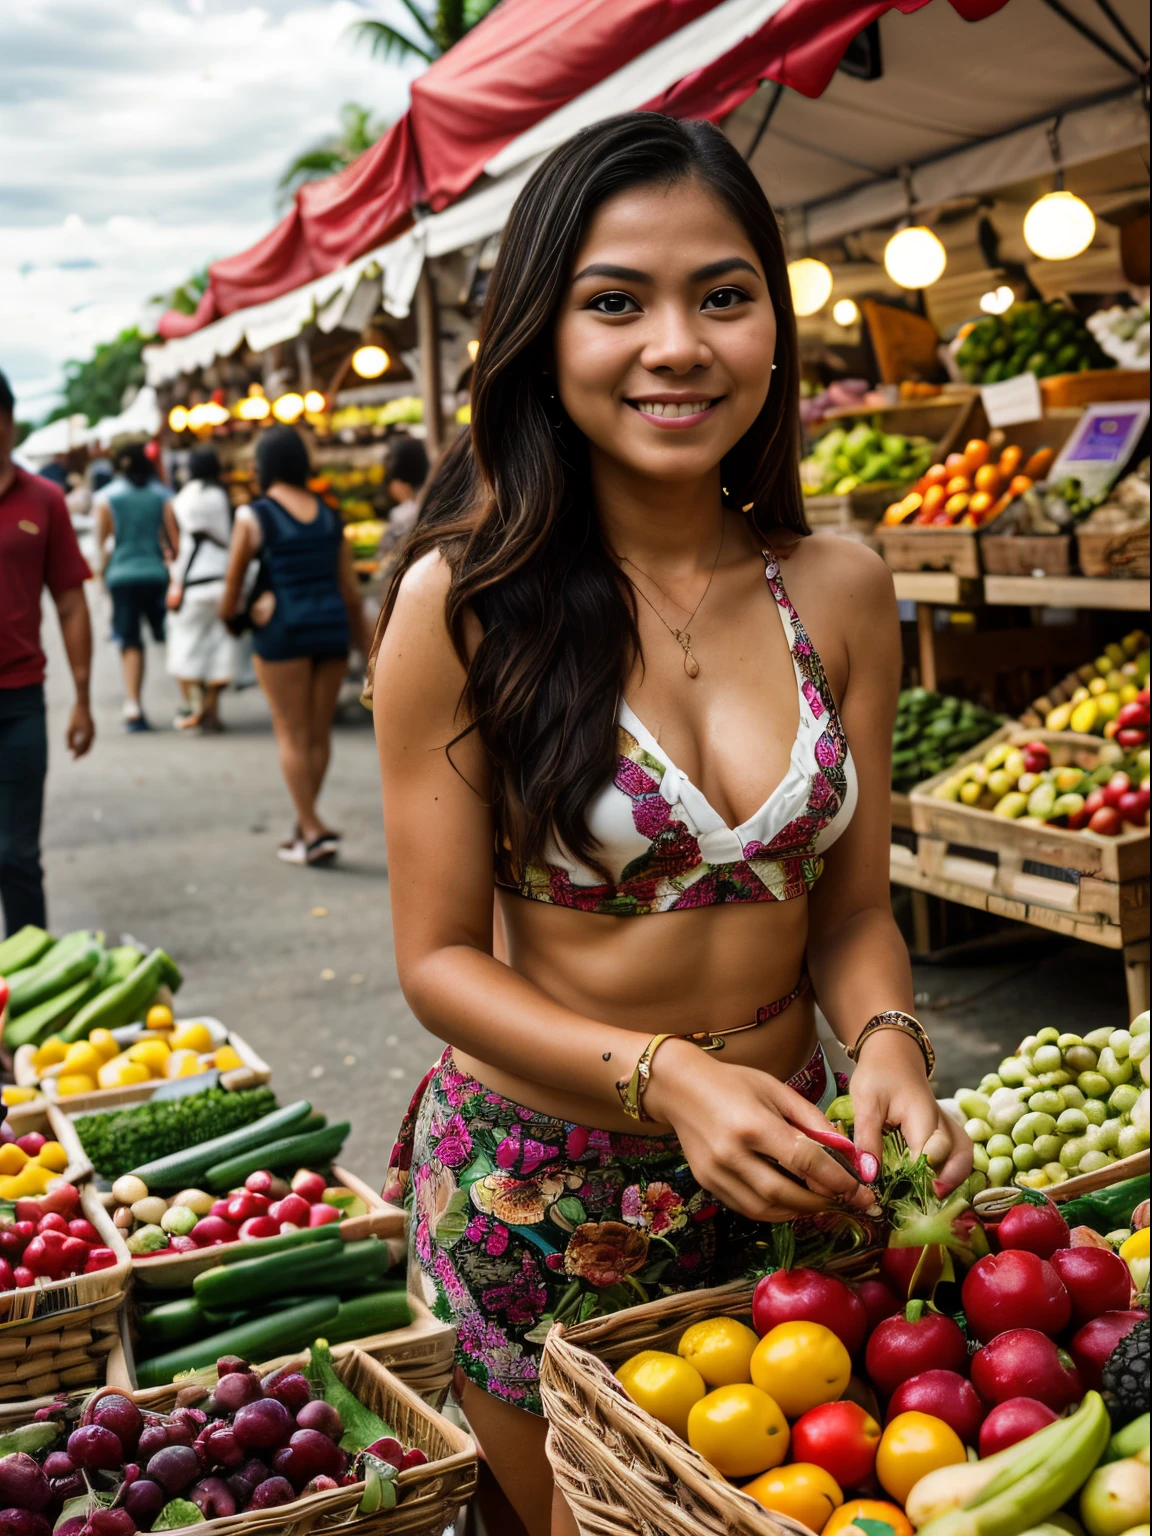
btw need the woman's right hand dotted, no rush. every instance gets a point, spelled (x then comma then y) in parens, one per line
(735, 1123)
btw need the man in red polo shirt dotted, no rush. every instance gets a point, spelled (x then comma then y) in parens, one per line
(38, 549)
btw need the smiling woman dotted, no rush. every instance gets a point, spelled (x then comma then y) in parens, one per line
(595, 693)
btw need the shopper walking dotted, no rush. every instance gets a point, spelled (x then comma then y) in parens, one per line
(201, 652)
(305, 612)
(135, 512)
(617, 679)
(38, 550)
(407, 464)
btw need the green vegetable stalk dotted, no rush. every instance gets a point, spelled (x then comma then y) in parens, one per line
(117, 1141)
(361, 1426)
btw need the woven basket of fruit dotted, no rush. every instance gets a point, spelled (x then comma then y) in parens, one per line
(317, 1444)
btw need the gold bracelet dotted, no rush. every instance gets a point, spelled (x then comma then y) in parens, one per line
(632, 1092)
(894, 1018)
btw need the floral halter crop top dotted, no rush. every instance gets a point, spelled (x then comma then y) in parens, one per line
(665, 846)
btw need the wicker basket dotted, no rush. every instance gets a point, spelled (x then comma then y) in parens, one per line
(253, 1071)
(621, 1471)
(430, 1495)
(59, 1333)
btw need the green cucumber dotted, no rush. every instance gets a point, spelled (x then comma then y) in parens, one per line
(125, 959)
(261, 1246)
(184, 1169)
(278, 1333)
(34, 1026)
(172, 1321)
(125, 1003)
(23, 948)
(277, 1274)
(313, 1149)
(55, 974)
(364, 1316)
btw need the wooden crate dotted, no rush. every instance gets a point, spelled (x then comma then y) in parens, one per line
(1107, 552)
(1063, 391)
(1026, 554)
(25, 1118)
(1061, 692)
(930, 549)
(1092, 880)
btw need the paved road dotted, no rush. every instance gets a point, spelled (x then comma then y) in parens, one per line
(172, 839)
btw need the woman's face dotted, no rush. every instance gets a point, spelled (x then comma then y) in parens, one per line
(663, 346)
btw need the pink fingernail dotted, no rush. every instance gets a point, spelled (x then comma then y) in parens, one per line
(869, 1167)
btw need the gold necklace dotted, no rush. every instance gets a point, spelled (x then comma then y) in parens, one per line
(682, 636)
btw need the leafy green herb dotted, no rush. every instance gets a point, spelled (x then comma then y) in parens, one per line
(119, 1140)
(176, 1514)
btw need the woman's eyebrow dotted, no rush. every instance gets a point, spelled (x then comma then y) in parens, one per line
(718, 268)
(634, 275)
(606, 269)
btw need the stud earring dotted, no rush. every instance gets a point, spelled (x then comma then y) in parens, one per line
(773, 367)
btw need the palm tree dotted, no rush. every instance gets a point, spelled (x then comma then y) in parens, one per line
(437, 28)
(357, 133)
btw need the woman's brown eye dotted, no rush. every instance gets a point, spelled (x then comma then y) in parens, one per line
(613, 303)
(724, 298)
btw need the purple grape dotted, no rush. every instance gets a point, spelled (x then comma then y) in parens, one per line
(292, 1390)
(270, 1493)
(22, 1483)
(96, 1449)
(26, 1522)
(174, 1467)
(259, 1426)
(213, 1498)
(322, 1416)
(119, 1414)
(307, 1455)
(156, 1436)
(219, 1446)
(144, 1500)
(227, 1364)
(236, 1389)
(57, 1464)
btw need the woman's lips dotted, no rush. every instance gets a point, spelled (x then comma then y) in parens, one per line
(674, 414)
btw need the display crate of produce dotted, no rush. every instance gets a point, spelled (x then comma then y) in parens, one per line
(931, 549)
(1062, 391)
(57, 1334)
(243, 1067)
(1128, 659)
(1098, 880)
(1026, 554)
(31, 1118)
(1122, 553)
(862, 494)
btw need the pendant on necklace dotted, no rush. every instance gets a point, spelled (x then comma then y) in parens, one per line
(691, 665)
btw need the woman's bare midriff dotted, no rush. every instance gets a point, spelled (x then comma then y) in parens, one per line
(666, 973)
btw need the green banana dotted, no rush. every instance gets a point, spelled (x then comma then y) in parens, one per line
(1128, 1441)
(1025, 1494)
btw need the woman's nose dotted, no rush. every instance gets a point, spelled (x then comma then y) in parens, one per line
(674, 341)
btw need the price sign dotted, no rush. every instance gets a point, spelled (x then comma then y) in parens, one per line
(1012, 401)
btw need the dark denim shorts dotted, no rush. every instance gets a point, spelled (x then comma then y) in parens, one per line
(133, 602)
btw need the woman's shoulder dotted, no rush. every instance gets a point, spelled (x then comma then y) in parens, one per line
(845, 569)
(422, 595)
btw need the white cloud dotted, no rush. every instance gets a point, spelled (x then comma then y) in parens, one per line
(140, 140)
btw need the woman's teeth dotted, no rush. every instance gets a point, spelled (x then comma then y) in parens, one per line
(672, 407)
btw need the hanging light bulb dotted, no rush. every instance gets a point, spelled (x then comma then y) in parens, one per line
(914, 257)
(178, 418)
(288, 408)
(254, 406)
(473, 349)
(997, 300)
(214, 414)
(811, 284)
(370, 361)
(198, 417)
(845, 312)
(1058, 226)
(314, 402)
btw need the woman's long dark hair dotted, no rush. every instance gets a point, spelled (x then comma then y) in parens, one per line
(510, 505)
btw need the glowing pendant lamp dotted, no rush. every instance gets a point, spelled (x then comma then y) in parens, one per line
(1058, 226)
(811, 284)
(914, 257)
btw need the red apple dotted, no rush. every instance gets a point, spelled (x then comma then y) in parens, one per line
(1092, 1344)
(1095, 800)
(1106, 822)
(807, 1296)
(308, 1185)
(1133, 714)
(1038, 1229)
(879, 1301)
(1119, 784)
(1015, 1289)
(905, 1346)
(840, 1437)
(1011, 1422)
(1133, 807)
(1129, 736)
(1096, 1279)
(1026, 1363)
(945, 1395)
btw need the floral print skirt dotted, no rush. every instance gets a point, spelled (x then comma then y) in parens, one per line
(519, 1220)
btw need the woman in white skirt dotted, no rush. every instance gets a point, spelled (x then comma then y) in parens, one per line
(201, 652)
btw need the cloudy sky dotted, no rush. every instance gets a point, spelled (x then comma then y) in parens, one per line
(140, 139)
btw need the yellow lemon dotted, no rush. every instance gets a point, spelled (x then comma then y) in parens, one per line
(69, 1083)
(720, 1347)
(50, 1054)
(152, 1054)
(1136, 1246)
(663, 1385)
(52, 1155)
(801, 1365)
(804, 1491)
(226, 1059)
(192, 1037)
(739, 1429)
(913, 1445)
(83, 1057)
(12, 1158)
(129, 1073)
(33, 1179)
(10, 1095)
(109, 1073)
(104, 1042)
(159, 1016)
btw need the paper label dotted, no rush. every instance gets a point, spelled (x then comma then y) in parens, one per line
(1012, 401)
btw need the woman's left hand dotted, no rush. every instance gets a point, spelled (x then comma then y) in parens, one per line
(174, 598)
(890, 1087)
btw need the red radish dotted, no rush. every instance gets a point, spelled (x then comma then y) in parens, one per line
(96, 1448)
(878, 1300)
(308, 1454)
(1130, 736)
(23, 1522)
(99, 1258)
(1038, 1229)
(413, 1457)
(1119, 784)
(271, 1493)
(11, 1241)
(75, 1251)
(143, 1499)
(320, 1415)
(62, 1197)
(1095, 801)
(387, 1448)
(1133, 807)
(1096, 1279)
(905, 1346)
(291, 1389)
(898, 1268)
(258, 1226)
(210, 1230)
(84, 1230)
(23, 1276)
(52, 1221)
(114, 1411)
(44, 1255)
(260, 1182)
(1092, 1344)
(308, 1185)
(292, 1209)
(23, 1484)
(945, 1395)
(1014, 1289)
(1011, 1422)
(30, 1211)
(237, 1389)
(322, 1215)
(244, 1207)
(7, 1278)
(174, 1468)
(220, 1209)
(31, 1142)
(181, 1242)
(807, 1296)
(219, 1444)
(1133, 714)
(259, 1426)
(58, 1464)
(1026, 1363)
(321, 1484)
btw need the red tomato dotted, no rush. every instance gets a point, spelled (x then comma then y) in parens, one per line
(841, 1438)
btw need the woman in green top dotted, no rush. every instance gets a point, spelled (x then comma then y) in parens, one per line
(135, 512)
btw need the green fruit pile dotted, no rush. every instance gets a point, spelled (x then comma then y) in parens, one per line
(1063, 1105)
(842, 460)
(1033, 337)
(931, 732)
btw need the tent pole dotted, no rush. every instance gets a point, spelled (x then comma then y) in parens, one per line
(428, 341)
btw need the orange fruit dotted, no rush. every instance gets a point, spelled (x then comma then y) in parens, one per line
(739, 1429)
(841, 1522)
(802, 1490)
(800, 1365)
(988, 478)
(913, 1445)
(664, 1386)
(721, 1350)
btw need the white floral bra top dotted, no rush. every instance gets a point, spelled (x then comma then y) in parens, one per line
(665, 846)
